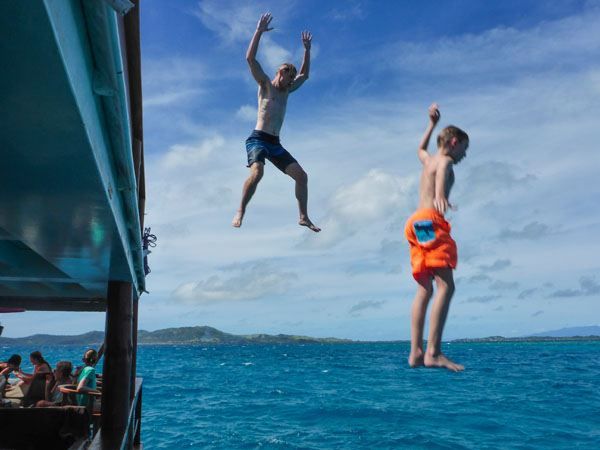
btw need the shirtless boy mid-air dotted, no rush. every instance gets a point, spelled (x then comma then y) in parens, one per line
(432, 251)
(264, 143)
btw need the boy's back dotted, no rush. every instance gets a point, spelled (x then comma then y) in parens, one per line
(437, 177)
(435, 167)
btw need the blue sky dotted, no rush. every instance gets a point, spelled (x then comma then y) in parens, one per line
(521, 77)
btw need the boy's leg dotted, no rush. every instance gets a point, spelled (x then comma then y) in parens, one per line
(256, 173)
(444, 282)
(419, 309)
(299, 175)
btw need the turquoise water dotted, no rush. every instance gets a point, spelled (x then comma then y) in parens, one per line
(363, 396)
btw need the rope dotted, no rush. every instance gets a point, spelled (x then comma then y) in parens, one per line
(148, 241)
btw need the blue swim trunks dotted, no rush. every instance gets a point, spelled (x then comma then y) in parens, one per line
(261, 145)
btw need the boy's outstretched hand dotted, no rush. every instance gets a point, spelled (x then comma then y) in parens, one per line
(264, 22)
(434, 113)
(306, 39)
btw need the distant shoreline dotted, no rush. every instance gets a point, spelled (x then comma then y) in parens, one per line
(204, 335)
(500, 339)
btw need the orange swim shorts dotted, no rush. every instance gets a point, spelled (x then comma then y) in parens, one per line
(431, 246)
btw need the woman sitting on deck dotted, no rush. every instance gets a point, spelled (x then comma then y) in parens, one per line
(86, 381)
(40, 366)
(62, 375)
(35, 383)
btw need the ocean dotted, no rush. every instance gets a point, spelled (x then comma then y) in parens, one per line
(536, 395)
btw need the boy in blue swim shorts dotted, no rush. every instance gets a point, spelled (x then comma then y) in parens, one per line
(264, 142)
(261, 145)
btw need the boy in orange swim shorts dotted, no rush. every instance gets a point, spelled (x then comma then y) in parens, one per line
(432, 250)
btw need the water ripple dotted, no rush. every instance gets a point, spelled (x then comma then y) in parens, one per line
(362, 396)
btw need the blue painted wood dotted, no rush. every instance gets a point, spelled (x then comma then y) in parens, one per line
(65, 227)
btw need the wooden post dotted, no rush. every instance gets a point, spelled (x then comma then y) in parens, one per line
(137, 438)
(137, 160)
(117, 363)
(134, 330)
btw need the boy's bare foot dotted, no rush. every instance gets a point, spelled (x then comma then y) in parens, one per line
(237, 219)
(415, 359)
(307, 223)
(441, 362)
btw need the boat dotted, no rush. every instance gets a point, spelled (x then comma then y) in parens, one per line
(72, 195)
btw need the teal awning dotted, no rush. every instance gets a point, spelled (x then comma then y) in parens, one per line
(69, 212)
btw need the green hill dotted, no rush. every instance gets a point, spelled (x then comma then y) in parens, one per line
(208, 335)
(183, 335)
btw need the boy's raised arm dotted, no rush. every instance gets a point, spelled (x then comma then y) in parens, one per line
(434, 117)
(262, 26)
(305, 68)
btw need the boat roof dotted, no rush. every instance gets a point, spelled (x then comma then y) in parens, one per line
(71, 145)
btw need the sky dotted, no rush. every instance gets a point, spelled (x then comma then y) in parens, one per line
(521, 77)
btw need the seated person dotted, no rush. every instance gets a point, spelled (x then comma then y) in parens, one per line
(6, 368)
(99, 354)
(86, 380)
(62, 375)
(37, 380)
(40, 366)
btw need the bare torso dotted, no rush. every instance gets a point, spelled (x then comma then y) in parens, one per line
(431, 167)
(272, 103)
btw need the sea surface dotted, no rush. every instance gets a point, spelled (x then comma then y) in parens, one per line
(364, 396)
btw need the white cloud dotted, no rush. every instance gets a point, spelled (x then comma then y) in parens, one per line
(235, 23)
(488, 179)
(526, 293)
(235, 20)
(499, 264)
(351, 11)
(503, 50)
(232, 22)
(500, 285)
(241, 282)
(172, 97)
(377, 196)
(366, 304)
(588, 287)
(533, 230)
(274, 55)
(189, 156)
(482, 299)
(246, 113)
(174, 81)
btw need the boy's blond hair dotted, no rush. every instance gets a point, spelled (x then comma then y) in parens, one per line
(290, 67)
(448, 133)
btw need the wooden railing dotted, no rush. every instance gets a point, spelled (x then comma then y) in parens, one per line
(131, 435)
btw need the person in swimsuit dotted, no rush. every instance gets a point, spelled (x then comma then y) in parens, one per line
(433, 253)
(264, 142)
